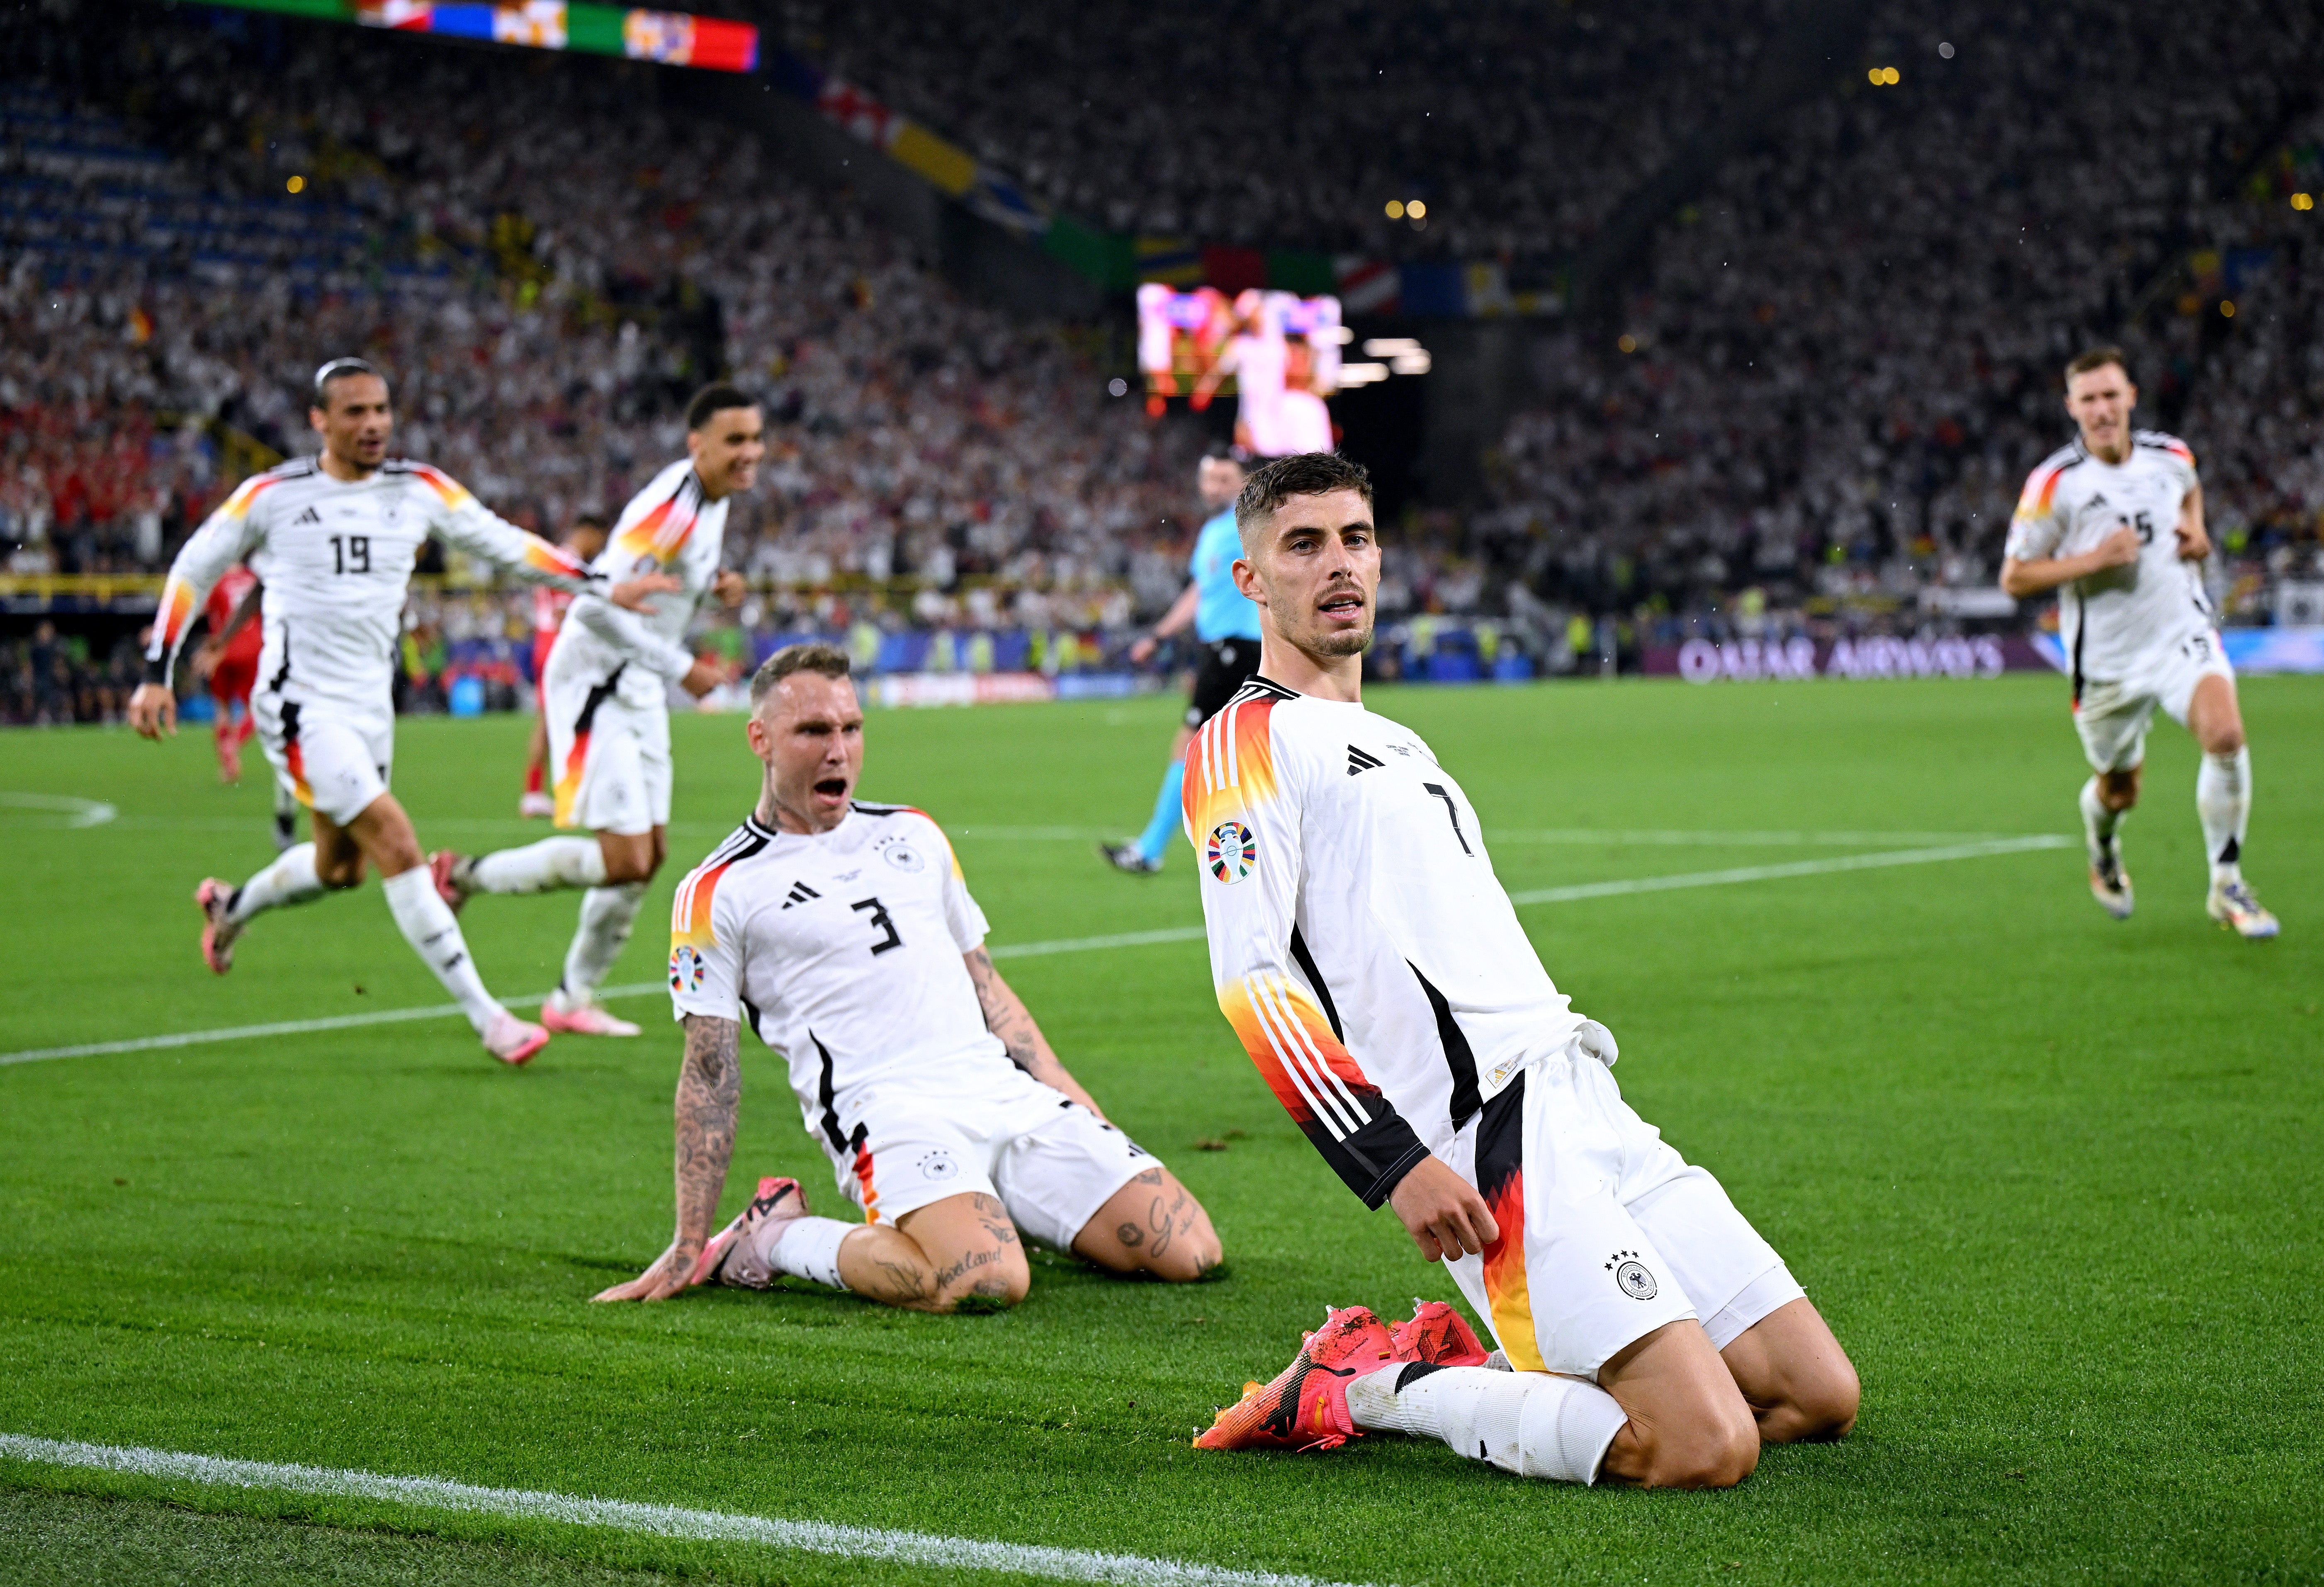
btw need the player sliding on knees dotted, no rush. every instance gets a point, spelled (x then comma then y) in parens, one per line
(605, 698)
(2114, 523)
(844, 933)
(333, 538)
(1372, 966)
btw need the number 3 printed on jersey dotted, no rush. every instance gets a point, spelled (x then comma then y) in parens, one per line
(880, 922)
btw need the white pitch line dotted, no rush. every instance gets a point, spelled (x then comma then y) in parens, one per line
(1801, 867)
(78, 812)
(1567, 895)
(656, 1520)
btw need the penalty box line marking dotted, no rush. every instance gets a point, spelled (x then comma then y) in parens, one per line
(1567, 895)
(658, 1520)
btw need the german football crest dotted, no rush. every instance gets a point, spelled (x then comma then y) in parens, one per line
(1631, 1275)
(687, 969)
(1232, 851)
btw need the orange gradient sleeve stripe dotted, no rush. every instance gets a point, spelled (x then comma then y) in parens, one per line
(1229, 765)
(658, 534)
(553, 559)
(177, 614)
(2041, 490)
(1291, 1043)
(689, 916)
(453, 492)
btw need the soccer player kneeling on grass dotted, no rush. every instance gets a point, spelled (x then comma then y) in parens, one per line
(1372, 966)
(843, 934)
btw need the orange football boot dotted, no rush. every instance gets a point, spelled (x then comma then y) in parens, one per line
(1439, 1334)
(1306, 1406)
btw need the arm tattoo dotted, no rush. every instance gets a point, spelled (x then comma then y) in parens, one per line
(709, 1095)
(1006, 1017)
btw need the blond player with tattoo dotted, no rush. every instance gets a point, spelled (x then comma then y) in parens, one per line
(843, 934)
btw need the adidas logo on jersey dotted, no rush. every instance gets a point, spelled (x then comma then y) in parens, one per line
(308, 516)
(1358, 761)
(799, 894)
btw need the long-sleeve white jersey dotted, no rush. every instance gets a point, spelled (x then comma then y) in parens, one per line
(844, 951)
(336, 557)
(667, 527)
(1360, 945)
(2116, 621)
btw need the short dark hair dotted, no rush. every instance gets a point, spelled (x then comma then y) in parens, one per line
(339, 368)
(590, 518)
(2099, 358)
(815, 656)
(714, 399)
(1303, 473)
(1218, 452)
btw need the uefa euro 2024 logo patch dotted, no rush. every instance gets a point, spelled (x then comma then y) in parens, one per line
(687, 969)
(1233, 849)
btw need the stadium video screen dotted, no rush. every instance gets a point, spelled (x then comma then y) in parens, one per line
(1277, 354)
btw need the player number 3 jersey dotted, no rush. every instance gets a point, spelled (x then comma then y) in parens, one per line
(1360, 945)
(2116, 621)
(844, 951)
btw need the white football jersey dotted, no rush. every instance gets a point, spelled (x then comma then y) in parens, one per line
(2115, 622)
(336, 557)
(1360, 945)
(667, 527)
(844, 951)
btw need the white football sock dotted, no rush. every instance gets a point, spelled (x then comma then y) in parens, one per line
(808, 1248)
(1534, 1424)
(2099, 822)
(427, 923)
(291, 879)
(606, 915)
(537, 868)
(2223, 800)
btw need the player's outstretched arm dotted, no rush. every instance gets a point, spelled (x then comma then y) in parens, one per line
(631, 638)
(225, 539)
(1006, 1017)
(709, 1095)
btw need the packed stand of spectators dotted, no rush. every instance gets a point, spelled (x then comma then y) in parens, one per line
(546, 262)
(1289, 123)
(1842, 363)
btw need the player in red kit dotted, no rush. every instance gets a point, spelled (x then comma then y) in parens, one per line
(229, 660)
(584, 539)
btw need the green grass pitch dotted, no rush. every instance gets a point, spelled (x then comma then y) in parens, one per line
(2055, 1180)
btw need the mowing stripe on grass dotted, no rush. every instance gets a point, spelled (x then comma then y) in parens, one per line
(656, 1520)
(1568, 895)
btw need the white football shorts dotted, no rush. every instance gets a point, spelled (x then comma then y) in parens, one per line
(611, 758)
(2113, 718)
(1049, 1161)
(1606, 1233)
(333, 760)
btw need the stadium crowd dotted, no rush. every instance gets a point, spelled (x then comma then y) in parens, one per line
(1835, 367)
(1518, 126)
(1842, 361)
(545, 281)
